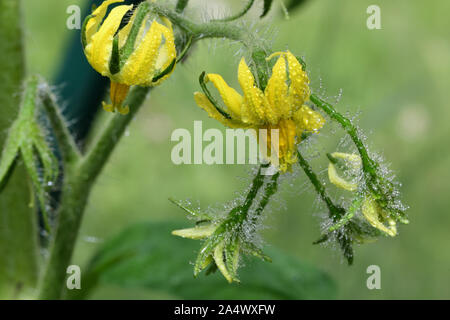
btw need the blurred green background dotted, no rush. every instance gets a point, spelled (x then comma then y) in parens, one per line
(397, 79)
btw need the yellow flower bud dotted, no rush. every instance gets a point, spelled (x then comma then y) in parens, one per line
(377, 217)
(354, 163)
(132, 55)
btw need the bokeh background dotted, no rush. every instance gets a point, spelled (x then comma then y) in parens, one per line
(396, 79)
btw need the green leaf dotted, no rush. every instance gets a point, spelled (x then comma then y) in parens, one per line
(19, 249)
(146, 256)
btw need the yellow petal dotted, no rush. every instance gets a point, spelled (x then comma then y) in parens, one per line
(252, 110)
(337, 180)
(288, 154)
(196, 232)
(308, 119)
(230, 97)
(299, 88)
(218, 259)
(282, 152)
(140, 67)
(203, 102)
(277, 93)
(352, 160)
(372, 212)
(97, 18)
(167, 52)
(99, 49)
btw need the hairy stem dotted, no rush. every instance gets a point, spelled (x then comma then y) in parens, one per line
(335, 212)
(369, 165)
(78, 181)
(95, 158)
(211, 29)
(19, 247)
(269, 191)
(238, 15)
(239, 216)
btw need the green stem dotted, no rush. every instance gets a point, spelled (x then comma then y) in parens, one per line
(334, 211)
(257, 183)
(78, 181)
(19, 247)
(269, 191)
(212, 29)
(239, 216)
(369, 165)
(96, 156)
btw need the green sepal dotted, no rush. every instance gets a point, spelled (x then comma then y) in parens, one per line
(266, 8)
(345, 243)
(186, 46)
(322, 239)
(210, 97)
(114, 63)
(200, 216)
(125, 52)
(204, 257)
(302, 62)
(262, 68)
(257, 252)
(83, 30)
(211, 269)
(232, 252)
(166, 71)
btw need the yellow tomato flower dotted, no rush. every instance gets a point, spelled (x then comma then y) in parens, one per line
(133, 55)
(280, 106)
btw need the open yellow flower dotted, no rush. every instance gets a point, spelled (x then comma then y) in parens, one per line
(281, 106)
(132, 55)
